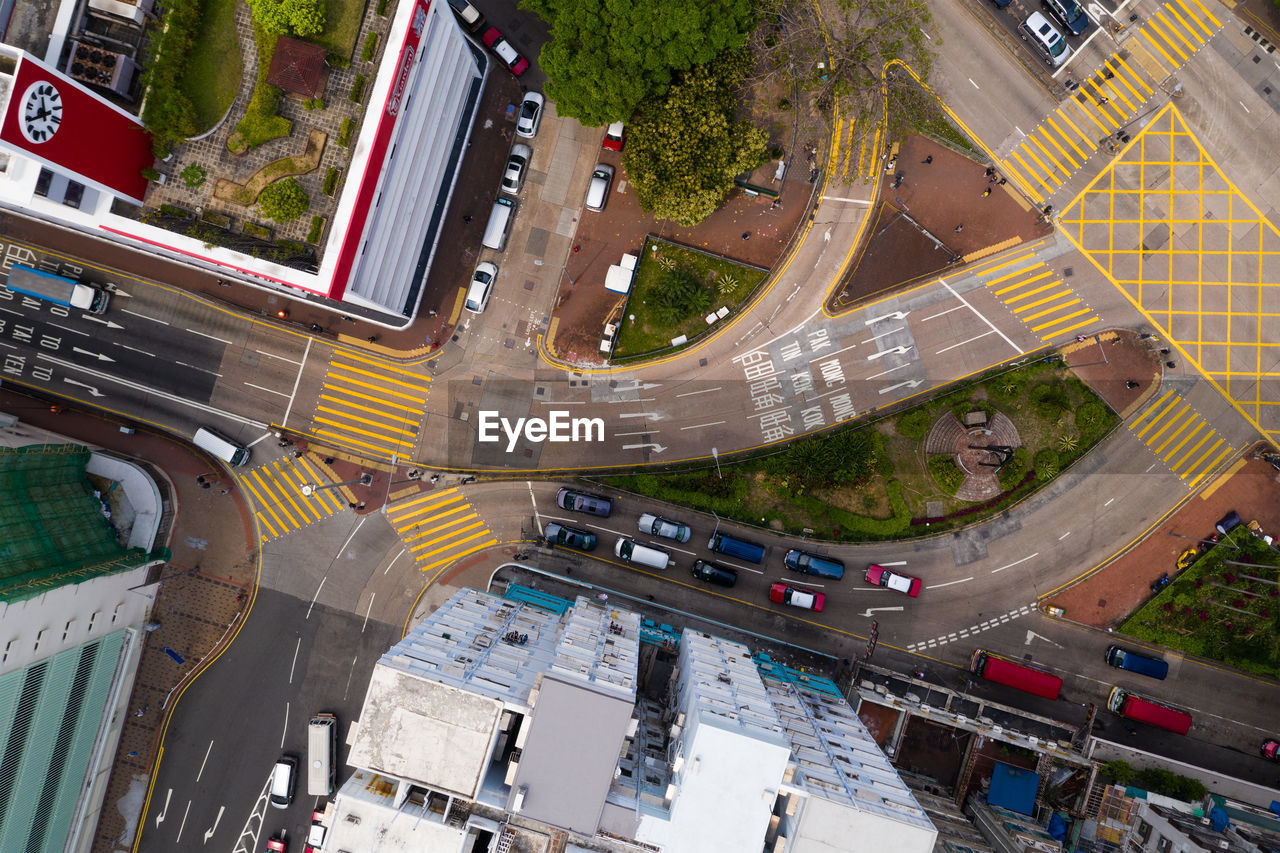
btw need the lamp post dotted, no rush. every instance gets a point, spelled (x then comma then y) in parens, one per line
(1202, 541)
(310, 489)
(539, 262)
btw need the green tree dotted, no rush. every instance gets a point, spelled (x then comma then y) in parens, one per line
(680, 294)
(194, 175)
(915, 423)
(284, 200)
(605, 57)
(684, 149)
(1118, 771)
(280, 17)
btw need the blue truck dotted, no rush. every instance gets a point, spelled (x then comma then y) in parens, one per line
(58, 289)
(1134, 662)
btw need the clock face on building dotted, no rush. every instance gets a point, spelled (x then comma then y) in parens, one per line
(41, 112)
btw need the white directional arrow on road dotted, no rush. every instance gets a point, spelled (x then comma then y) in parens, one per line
(93, 391)
(896, 315)
(653, 416)
(208, 833)
(893, 351)
(1033, 635)
(110, 324)
(657, 448)
(99, 356)
(910, 383)
(871, 610)
(160, 817)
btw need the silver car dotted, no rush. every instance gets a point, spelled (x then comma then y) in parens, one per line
(656, 525)
(517, 166)
(530, 115)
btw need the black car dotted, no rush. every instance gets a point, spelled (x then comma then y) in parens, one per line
(569, 537)
(712, 573)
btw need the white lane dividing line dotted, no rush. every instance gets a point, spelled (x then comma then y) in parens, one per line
(135, 349)
(69, 329)
(887, 372)
(273, 355)
(895, 563)
(642, 432)
(285, 420)
(700, 426)
(268, 390)
(885, 335)
(949, 583)
(1064, 536)
(831, 354)
(942, 314)
(1017, 563)
(201, 369)
(975, 85)
(695, 393)
(211, 337)
(144, 317)
(262, 437)
(1242, 106)
(962, 343)
(981, 316)
(1108, 503)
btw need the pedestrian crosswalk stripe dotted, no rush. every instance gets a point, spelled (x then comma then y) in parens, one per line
(1032, 292)
(281, 507)
(1180, 438)
(1042, 301)
(1204, 9)
(1147, 32)
(1053, 309)
(1061, 320)
(439, 523)
(1134, 74)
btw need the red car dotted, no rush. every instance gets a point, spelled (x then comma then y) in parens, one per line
(315, 838)
(880, 576)
(805, 599)
(615, 136)
(503, 50)
(276, 844)
(1271, 749)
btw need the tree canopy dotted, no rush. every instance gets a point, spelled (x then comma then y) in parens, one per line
(284, 200)
(606, 56)
(684, 149)
(279, 17)
(843, 55)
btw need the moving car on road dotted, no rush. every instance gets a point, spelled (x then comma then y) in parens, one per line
(880, 576)
(656, 525)
(1271, 749)
(1010, 673)
(584, 502)
(813, 564)
(277, 844)
(805, 599)
(503, 50)
(569, 537)
(713, 573)
(530, 115)
(1134, 662)
(1149, 711)
(284, 778)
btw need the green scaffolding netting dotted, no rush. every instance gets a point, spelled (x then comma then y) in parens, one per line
(52, 530)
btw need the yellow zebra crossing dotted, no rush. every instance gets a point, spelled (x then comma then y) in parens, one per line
(1105, 102)
(282, 507)
(439, 527)
(1182, 439)
(371, 406)
(1038, 298)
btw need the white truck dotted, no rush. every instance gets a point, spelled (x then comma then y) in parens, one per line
(58, 289)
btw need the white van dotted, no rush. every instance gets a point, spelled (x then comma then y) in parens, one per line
(644, 555)
(495, 233)
(282, 781)
(215, 445)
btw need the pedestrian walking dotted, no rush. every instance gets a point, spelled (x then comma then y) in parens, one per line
(959, 228)
(746, 235)
(986, 192)
(328, 460)
(372, 339)
(927, 160)
(466, 220)
(1103, 100)
(435, 477)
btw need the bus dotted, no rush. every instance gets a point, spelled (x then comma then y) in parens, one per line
(322, 747)
(1001, 670)
(1133, 707)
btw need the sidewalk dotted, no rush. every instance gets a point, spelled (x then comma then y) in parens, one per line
(203, 591)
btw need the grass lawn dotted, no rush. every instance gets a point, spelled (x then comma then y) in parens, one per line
(342, 24)
(872, 483)
(214, 65)
(721, 283)
(1220, 610)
